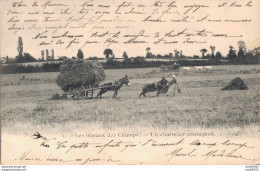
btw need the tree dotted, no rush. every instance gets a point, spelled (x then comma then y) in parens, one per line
(6, 60)
(218, 55)
(241, 45)
(159, 56)
(19, 57)
(26, 58)
(62, 58)
(203, 51)
(181, 53)
(208, 56)
(139, 61)
(176, 53)
(125, 55)
(47, 55)
(150, 55)
(80, 54)
(241, 49)
(148, 49)
(232, 53)
(213, 48)
(108, 53)
(42, 53)
(52, 54)
(20, 46)
(253, 56)
(127, 61)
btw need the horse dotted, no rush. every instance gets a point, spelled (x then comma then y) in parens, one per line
(113, 86)
(160, 87)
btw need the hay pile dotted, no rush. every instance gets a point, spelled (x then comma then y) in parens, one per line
(236, 84)
(78, 73)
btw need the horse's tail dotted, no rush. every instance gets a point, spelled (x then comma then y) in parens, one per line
(144, 90)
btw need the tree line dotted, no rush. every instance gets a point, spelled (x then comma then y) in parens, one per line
(138, 62)
(242, 56)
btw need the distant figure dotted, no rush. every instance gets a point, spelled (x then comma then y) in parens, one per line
(163, 82)
(173, 86)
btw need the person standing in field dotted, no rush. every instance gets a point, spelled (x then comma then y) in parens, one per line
(173, 87)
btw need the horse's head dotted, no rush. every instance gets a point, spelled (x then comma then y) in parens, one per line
(125, 81)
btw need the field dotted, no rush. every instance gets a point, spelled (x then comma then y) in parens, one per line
(25, 104)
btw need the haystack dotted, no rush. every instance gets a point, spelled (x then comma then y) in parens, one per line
(236, 84)
(78, 73)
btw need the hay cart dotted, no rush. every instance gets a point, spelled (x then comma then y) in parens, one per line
(174, 67)
(82, 93)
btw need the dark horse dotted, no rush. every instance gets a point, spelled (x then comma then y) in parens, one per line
(160, 87)
(113, 86)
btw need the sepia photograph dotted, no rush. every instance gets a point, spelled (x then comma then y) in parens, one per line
(127, 82)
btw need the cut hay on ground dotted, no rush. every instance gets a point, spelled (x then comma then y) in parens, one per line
(236, 84)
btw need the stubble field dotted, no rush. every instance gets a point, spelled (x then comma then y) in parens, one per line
(25, 104)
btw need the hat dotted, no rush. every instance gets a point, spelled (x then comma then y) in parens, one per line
(173, 75)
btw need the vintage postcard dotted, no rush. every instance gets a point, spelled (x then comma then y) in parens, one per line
(130, 82)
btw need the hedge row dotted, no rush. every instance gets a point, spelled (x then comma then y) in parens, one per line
(112, 64)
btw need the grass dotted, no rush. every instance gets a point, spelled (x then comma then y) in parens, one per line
(201, 105)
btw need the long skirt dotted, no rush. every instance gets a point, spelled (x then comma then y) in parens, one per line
(172, 90)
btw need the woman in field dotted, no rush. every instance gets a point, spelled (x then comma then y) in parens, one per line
(173, 87)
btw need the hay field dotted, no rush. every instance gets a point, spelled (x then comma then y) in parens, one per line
(201, 105)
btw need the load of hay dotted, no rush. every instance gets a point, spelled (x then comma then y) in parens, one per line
(236, 84)
(77, 73)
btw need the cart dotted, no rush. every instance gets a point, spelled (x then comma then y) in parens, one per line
(82, 93)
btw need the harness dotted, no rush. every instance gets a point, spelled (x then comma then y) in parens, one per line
(114, 82)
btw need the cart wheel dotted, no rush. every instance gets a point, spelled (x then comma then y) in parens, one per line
(77, 93)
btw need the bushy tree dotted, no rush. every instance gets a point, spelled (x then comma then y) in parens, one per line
(150, 55)
(253, 56)
(139, 61)
(241, 49)
(127, 61)
(148, 49)
(218, 55)
(196, 57)
(28, 58)
(159, 56)
(78, 73)
(80, 54)
(25, 58)
(125, 55)
(203, 51)
(108, 53)
(232, 53)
